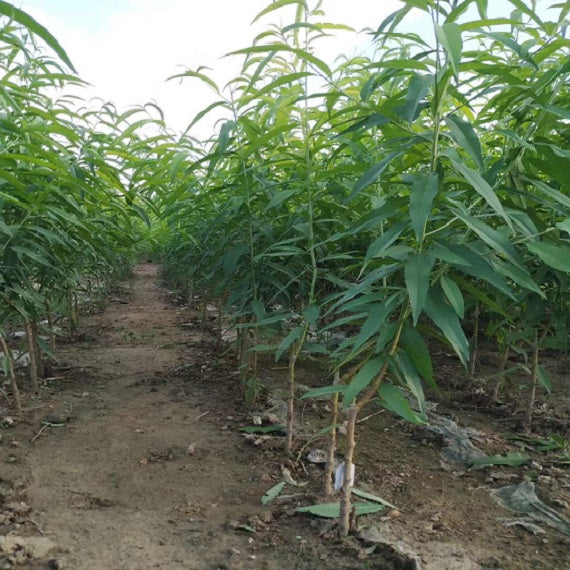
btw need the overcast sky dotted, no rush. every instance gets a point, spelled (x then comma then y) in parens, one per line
(127, 48)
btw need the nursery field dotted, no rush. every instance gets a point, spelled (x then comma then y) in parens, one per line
(332, 334)
(132, 457)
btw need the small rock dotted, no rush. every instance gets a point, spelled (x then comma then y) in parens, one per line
(30, 546)
(317, 456)
(191, 449)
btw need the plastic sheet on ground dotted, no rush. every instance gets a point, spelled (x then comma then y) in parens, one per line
(409, 555)
(522, 499)
(458, 446)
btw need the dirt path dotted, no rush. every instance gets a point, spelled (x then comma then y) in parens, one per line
(148, 472)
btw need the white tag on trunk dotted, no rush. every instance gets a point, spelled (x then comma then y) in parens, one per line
(339, 476)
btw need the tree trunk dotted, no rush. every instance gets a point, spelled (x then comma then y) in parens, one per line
(32, 354)
(11, 374)
(37, 350)
(291, 398)
(330, 465)
(52, 341)
(533, 385)
(344, 527)
(501, 379)
(474, 345)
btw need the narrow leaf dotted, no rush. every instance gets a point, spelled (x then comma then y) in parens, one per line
(417, 272)
(393, 399)
(10, 11)
(555, 256)
(371, 497)
(445, 318)
(363, 379)
(384, 241)
(332, 510)
(371, 175)
(422, 194)
(324, 391)
(453, 295)
(272, 493)
(414, 345)
(465, 136)
(450, 37)
(417, 90)
(481, 186)
(544, 378)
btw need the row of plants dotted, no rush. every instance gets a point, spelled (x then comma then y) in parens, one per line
(72, 205)
(362, 211)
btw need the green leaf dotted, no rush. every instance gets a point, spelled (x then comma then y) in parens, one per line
(512, 459)
(303, 54)
(10, 11)
(205, 79)
(544, 378)
(465, 136)
(371, 175)
(520, 277)
(272, 493)
(417, 273)
(417, 91)
(294, 334)
(445, 318)
(481, 186)
(494, 238)
(363, 378)
(393, 399)
(382, 242)
(423, 191)
(311, 313)
(280, 197)
(555, 256)
(332, 510)
(275, 5)
(564, 225)
(450, 37)
(477, 266)
(377, 316)
(412, 379)
(371, 497)
(414, 345)
(453, 295)
(262, 429)
(324, 391)
(232, 257)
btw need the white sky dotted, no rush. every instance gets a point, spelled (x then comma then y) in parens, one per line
(127, 48)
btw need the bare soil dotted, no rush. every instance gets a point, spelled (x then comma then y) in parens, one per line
(131, 458)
